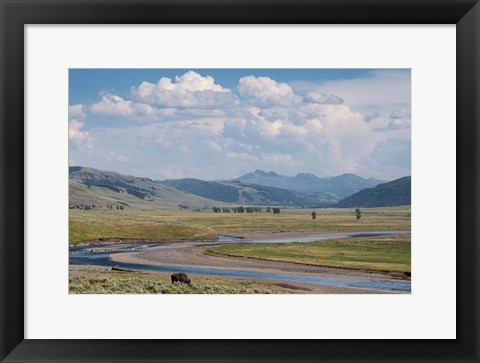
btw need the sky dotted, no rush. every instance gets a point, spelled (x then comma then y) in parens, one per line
(216, 124)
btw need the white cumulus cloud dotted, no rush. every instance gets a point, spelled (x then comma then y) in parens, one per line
(264, 91)
(76, 123)
(115, 106)
(399, 124)
(77, 112)
(195, 127)
(191, 90)
(322, 98)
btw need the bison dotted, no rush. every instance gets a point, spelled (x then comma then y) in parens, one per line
(181, 277)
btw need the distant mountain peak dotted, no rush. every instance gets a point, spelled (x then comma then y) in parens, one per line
(264, 173)
(301, 175)
(341, 185)
(349, 175)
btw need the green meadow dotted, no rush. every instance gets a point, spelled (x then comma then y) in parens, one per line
(93, 225)
(378, 253)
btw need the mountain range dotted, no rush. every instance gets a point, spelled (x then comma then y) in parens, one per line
(341, 185)
(104, 189)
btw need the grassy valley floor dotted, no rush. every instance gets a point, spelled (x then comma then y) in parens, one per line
(93, 226)
(388, 254)
(373, 257)
(115, 226)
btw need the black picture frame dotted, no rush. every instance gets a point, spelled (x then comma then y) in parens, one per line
(15, 14)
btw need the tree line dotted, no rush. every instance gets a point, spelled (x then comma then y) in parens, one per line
(93, 206)
(243, 209)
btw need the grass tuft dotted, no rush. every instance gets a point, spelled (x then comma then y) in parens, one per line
(135, 285)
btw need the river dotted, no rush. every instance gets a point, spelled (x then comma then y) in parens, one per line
(101, 255)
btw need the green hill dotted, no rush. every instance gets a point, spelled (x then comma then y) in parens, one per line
(396, 192)
(251, 194)
(98, 189)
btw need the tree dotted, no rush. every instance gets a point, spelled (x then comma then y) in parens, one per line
(358, 213)
(314, 215)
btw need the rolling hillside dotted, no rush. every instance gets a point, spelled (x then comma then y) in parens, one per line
(97, 189)
(341, 185)
(103, 189)
(239, 193)
(397, 192)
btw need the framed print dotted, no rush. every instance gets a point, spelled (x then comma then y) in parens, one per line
(205, 217)
(239, 181)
